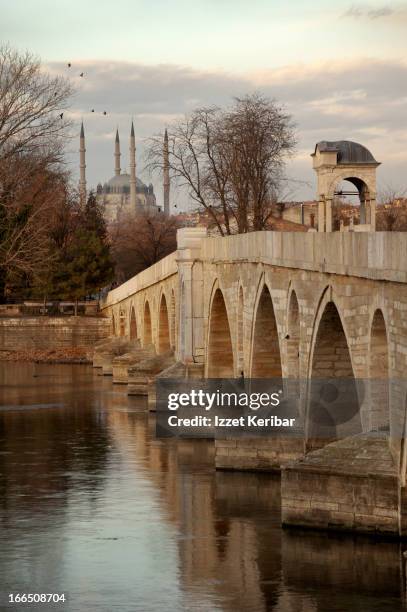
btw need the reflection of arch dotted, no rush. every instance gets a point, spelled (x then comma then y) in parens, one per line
(133, 324)
(293, 337)
(147, 331)
(266, 359)
(164, 343)
(379, 373)
(220, 351)
(240, 358)
(333, 410)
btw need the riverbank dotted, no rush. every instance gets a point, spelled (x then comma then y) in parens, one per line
(75, 354)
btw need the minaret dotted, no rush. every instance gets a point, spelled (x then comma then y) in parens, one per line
(166, 170)
(82, 166)
(133, 199)
(117, 154)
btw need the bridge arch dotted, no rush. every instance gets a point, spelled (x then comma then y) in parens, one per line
(333, 409)
(379, 372)
(164, 342)
(147, 325)
(173, 320)
(122, 323)
(265, 346)
(293, 335)
(220, 362)
(133, 324)
(240, 331)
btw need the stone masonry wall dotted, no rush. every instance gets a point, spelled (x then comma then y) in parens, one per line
(23, 333)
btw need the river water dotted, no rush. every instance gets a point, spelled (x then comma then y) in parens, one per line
(94, 507)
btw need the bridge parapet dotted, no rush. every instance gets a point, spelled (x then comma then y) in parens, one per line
(374, 255)
(154, 274)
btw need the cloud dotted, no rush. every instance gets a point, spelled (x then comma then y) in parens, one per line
(354, 12)
(385, 11)
(359, 11)
(363, 100)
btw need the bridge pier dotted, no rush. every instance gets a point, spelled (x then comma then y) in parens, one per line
(122, 363)
(349, 485)
(142, 374)
(257, 454)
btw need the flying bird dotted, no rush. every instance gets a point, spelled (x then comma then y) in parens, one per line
(69, 65)
(62, 115)
(81, 74)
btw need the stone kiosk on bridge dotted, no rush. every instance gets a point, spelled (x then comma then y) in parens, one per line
(345, 160)
(298, 306)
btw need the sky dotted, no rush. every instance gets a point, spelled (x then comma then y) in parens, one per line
(339, 67)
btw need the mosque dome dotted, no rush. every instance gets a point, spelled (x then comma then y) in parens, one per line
(121, 184)
(349, 152)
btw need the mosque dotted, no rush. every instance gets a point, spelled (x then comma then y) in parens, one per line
(125, 193)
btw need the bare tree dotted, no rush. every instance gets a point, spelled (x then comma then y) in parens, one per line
(32, 105)
(231, 160)
(138, 241)
(27, 216)
(32, 180)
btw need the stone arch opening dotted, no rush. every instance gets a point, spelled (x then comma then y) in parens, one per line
(379, 374)
(164, 343)
(240, 356)
(147, 328)
(122, 324)
(403, 447)
(220, 351)
(345, 193)
(133, 324)
(266, 358)
(113, 326)
(182, 320)
(334, 406)
(293, 337)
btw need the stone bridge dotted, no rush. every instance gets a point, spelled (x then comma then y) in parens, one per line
(297, 306)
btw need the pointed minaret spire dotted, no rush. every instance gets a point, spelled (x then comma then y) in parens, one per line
(82, 166)
(117, 168)
(166, 172)
(133, 198)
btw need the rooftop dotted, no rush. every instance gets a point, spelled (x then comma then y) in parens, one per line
(349, 152)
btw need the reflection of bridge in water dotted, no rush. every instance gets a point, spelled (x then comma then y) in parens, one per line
(231, 546)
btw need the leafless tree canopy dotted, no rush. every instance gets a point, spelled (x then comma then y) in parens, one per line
(32, 180)
(231, 160)
(392, 214)
(138, 241)
(31, 104)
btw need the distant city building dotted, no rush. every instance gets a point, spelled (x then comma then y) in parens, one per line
(125, 193)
